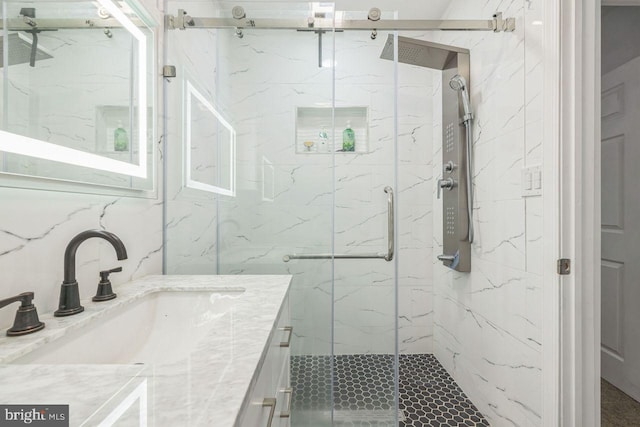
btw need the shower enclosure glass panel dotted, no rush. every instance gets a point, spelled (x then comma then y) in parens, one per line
(323, 125)
(280, 177)
(299, 195)
(365, 296)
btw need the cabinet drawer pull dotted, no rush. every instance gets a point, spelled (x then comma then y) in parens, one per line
(288, 329)
(287, 412)
(270, 401)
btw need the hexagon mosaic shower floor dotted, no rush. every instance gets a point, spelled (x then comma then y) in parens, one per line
(363, 392)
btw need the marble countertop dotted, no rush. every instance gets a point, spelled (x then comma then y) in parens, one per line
(208, 388)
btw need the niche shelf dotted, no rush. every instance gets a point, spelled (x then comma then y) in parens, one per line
(310, 122)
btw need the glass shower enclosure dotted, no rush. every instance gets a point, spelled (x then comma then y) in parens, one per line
(283, 160)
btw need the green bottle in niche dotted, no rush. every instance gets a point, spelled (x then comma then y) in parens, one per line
(120, 138)
(348, 138)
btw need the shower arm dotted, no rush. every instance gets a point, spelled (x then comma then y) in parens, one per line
(497, 24)
(390, 240)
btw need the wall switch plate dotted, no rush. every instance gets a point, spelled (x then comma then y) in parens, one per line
(532, 181)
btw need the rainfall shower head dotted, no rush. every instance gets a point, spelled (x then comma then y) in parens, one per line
(421, 53)
(20, 50)
(458, 83)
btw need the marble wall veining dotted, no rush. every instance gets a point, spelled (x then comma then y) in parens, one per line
(299, 218)
(36, 225)
(488, 323)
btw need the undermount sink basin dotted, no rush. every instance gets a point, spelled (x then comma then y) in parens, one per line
(164, 327)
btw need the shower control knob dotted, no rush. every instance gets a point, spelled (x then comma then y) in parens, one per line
(449, 166)
(448, 183)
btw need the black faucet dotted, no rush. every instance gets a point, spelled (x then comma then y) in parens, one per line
(69, 293)
(26, 320)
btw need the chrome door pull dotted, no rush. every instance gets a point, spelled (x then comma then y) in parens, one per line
(449, 258)
(390, 224)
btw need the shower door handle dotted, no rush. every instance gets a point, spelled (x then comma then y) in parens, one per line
(390, 224)
(388, 256)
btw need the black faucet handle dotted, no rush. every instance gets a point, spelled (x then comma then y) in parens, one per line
(104, 275)
(25, 299)
(105, 291)
(26, 320)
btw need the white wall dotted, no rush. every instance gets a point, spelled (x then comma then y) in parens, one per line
(488, 324)
(36, 225)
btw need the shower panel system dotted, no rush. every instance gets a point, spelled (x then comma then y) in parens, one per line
(455, 185)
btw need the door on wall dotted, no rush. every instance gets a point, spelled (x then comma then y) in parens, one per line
(621, 227)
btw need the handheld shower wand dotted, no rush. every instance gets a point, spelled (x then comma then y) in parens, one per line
(459, 84)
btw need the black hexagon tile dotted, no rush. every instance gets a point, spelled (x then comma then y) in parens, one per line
(363, 389)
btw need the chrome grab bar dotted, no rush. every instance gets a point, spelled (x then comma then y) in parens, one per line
(390, 240)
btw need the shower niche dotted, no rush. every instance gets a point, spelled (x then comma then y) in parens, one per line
(315, 128)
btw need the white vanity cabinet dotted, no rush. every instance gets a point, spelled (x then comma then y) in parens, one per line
(269, 400)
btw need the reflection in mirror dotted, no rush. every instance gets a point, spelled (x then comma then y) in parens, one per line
(210, 146)
(77, 92)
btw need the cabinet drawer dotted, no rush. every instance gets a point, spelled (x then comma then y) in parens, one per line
(271, 397)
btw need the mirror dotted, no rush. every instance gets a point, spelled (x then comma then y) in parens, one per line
(77, 93)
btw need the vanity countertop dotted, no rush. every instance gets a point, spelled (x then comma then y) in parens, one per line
(208, 388)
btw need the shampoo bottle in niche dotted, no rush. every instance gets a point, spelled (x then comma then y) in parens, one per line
(120, 138)
(348, 138)
(324, 139)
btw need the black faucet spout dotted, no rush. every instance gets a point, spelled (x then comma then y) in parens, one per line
(69, 293)
(72, 248)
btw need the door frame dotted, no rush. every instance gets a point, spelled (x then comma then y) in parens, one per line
(580, 215)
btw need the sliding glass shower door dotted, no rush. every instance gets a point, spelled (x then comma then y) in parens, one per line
(281, 159)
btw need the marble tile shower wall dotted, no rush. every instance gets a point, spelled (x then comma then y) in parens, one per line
(488, 324)
(269, 75)
(36, 225)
